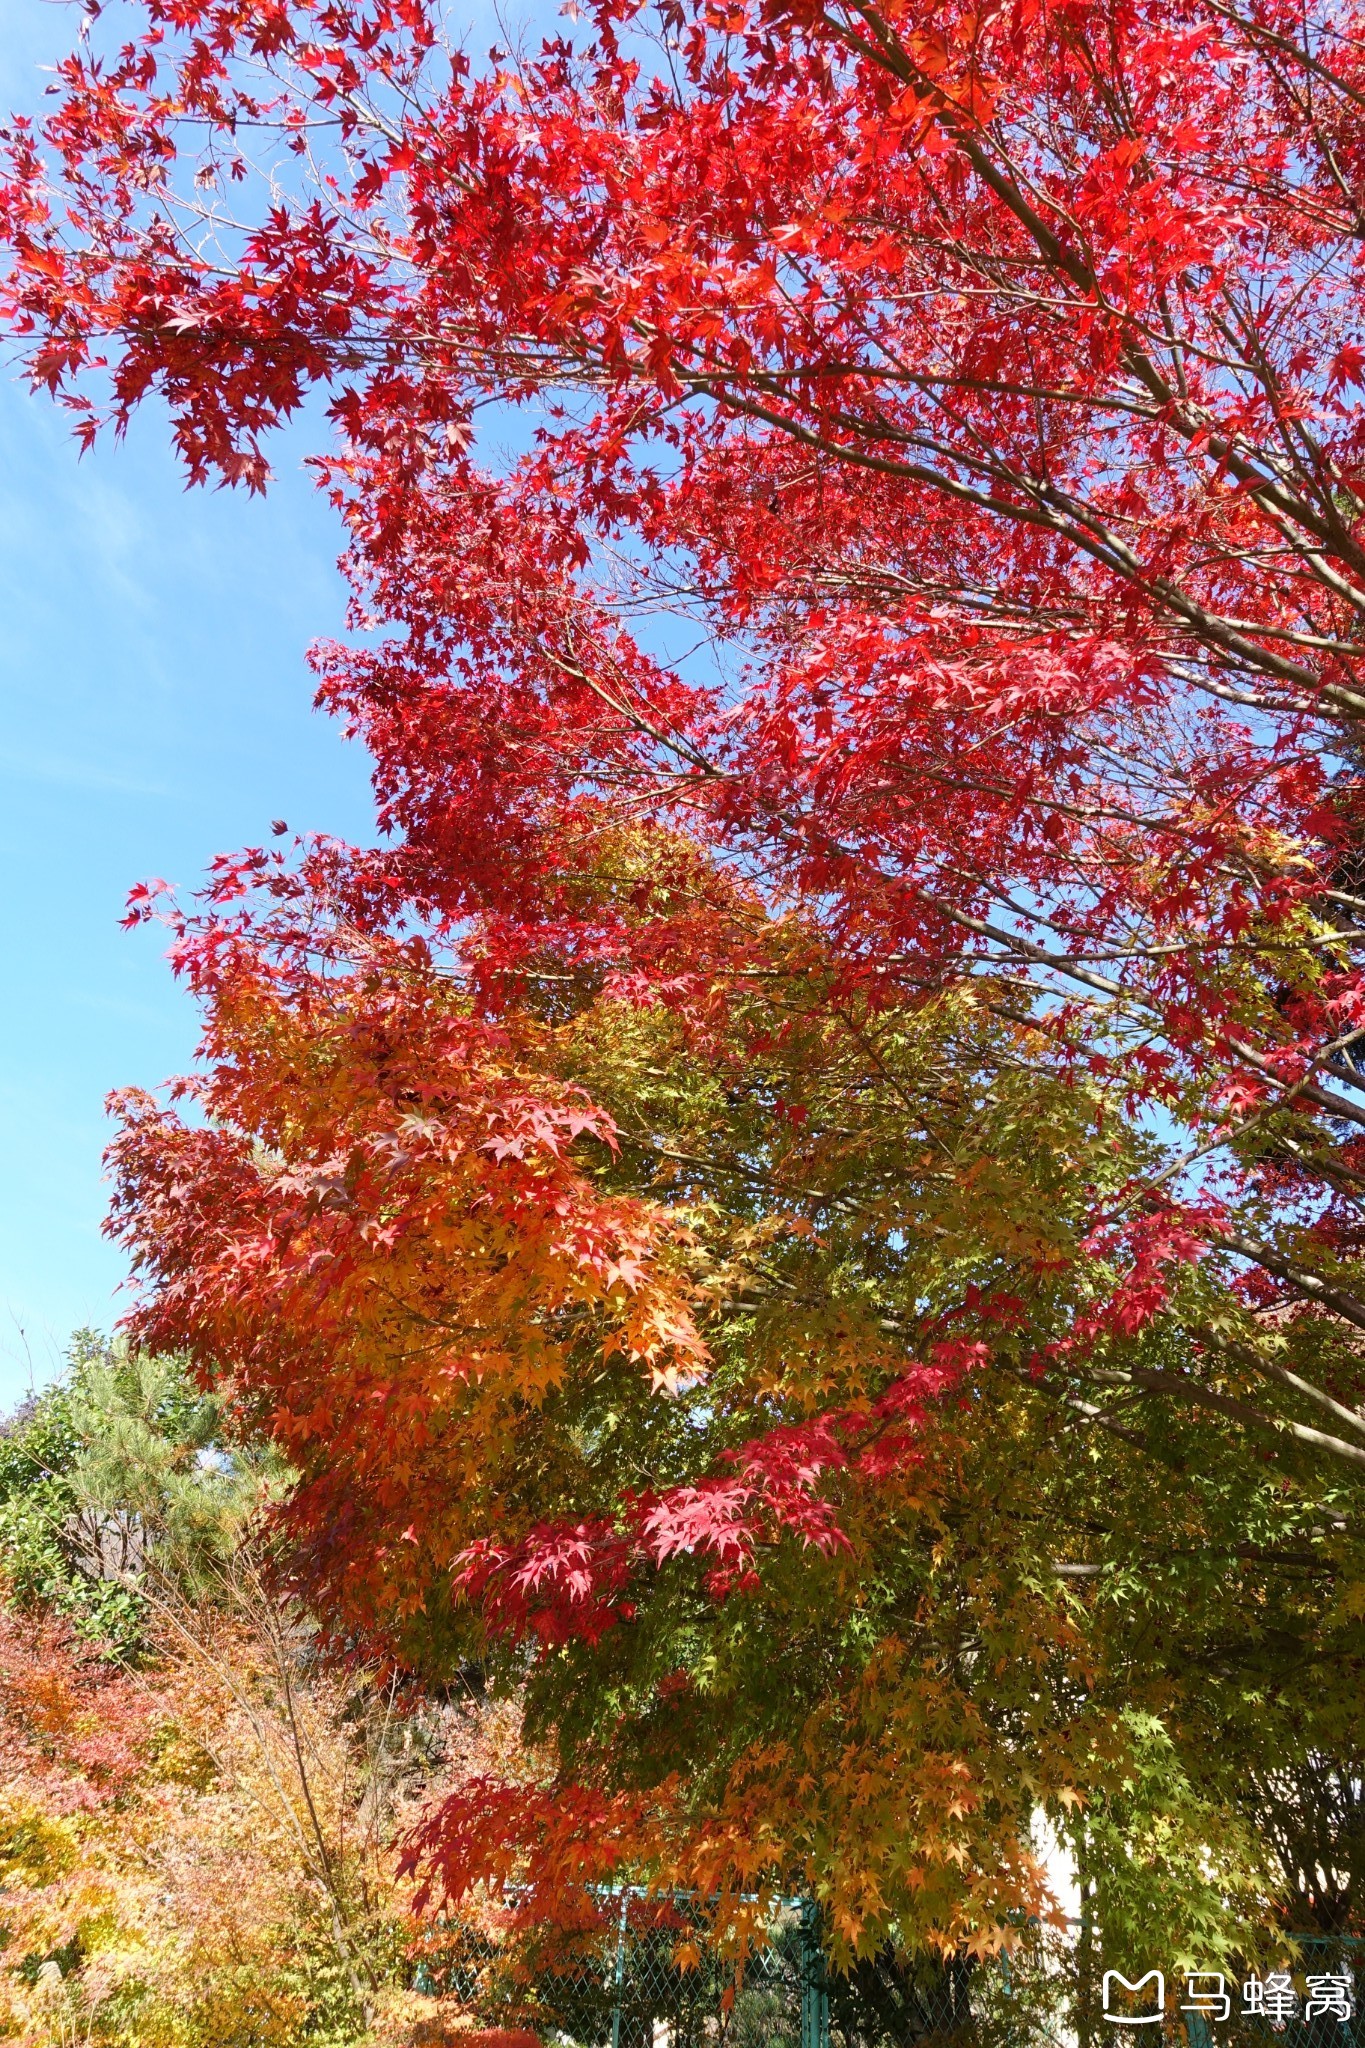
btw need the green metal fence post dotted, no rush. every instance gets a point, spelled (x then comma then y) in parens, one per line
(620, 1971)
(814, 1983)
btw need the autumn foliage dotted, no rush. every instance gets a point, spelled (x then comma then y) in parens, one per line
(201, 1829)
(853, 518)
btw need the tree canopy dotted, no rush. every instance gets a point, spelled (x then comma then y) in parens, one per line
(803, 1206)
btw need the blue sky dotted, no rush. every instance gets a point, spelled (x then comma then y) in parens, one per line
(156, 710)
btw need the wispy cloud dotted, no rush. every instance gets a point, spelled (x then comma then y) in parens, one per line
(65, 772)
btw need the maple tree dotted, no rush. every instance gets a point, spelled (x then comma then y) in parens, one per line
(802, 1607)
(980, 390)
(868, 921)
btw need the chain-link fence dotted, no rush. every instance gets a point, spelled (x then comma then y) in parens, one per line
(669, 1985)
(1310, 2000)
(647, 1976)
